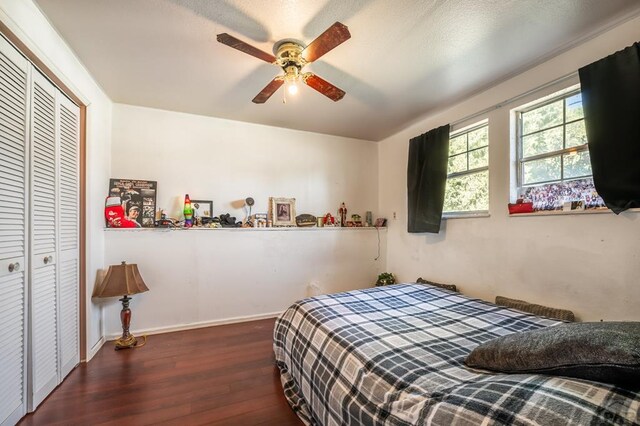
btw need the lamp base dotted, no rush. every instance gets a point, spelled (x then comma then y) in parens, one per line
(127, 340)
(126, 343)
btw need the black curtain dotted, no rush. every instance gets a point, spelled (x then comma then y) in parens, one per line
(426, 179)
(611, 102)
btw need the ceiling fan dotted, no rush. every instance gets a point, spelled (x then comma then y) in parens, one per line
(292, 56)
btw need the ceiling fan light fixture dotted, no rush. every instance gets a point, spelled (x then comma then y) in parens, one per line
(292, 88)
(292, 56)
(291, 78)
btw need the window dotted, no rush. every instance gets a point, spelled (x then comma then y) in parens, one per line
(467, 187)
(553, 142)
(553, 157)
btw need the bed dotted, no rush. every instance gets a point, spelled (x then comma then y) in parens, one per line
(394, 355)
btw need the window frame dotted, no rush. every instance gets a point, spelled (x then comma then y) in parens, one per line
(466, 130)
(520, 161)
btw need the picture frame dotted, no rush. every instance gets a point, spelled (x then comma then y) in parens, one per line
(202, 208)
(138, 198)
(282, 211)
(380, 222)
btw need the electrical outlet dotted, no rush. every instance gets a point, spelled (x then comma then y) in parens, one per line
(394, 215)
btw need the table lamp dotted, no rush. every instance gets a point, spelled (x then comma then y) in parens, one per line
(122, 280)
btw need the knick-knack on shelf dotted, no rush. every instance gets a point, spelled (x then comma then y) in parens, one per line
(188, 212)
(343, 215)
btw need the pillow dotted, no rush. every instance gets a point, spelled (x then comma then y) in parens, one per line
(450, 287)
(544, 311)
(606, 352)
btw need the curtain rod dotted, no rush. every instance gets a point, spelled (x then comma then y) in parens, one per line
(514, 99)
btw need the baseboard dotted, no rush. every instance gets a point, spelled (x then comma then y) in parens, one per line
(94, 350)
(195, 325)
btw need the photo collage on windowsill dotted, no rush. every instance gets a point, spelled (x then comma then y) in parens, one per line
(577, 194)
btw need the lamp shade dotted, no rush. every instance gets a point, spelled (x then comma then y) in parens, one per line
(121, 280)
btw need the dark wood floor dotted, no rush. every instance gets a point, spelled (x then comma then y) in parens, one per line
(222, 375)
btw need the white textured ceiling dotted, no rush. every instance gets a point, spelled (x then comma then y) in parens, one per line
(404, 59)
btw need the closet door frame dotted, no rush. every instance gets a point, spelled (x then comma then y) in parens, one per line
(46, 71)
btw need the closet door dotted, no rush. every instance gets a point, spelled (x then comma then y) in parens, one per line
(13, 205)
(68, 232)
(44, 368)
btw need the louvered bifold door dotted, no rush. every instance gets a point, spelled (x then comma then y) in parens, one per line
(44, 368)
(68, 232)
(13, 205)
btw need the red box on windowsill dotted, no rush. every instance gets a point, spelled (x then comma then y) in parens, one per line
(520, 207)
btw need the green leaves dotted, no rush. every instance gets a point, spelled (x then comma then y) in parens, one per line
(385, 278)
(467, 193)
(468, 189)
(553, 142)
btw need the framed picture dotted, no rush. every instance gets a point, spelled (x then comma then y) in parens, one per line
(138, 199)
(202, 208)
(283, 211)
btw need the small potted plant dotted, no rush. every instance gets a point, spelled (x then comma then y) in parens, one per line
(385, 278)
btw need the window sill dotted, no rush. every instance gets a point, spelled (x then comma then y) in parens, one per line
(570, 212)
(465, 215)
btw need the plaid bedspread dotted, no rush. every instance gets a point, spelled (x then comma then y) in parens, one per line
(394, 356)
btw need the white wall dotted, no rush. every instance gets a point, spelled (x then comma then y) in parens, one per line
(586, 263)
(26, 21)
(204, 276)
(227, 161)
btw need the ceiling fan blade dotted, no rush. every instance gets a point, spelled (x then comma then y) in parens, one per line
(269, 90)
(231, 41)
(324, 87)
(334, 35)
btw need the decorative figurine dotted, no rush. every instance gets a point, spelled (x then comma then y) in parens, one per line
(329, 220)
(343, 215)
